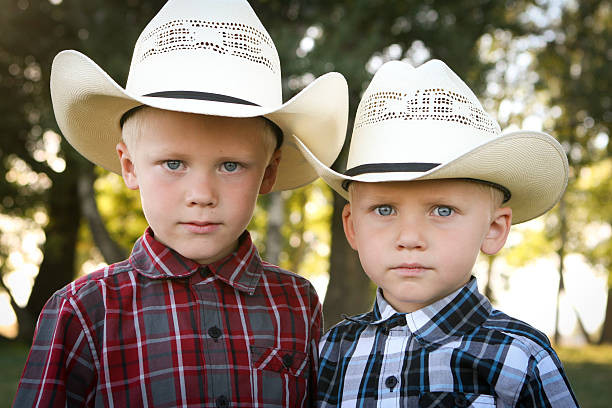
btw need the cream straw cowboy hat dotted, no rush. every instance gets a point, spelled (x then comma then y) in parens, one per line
(209, 57)
(425, 123)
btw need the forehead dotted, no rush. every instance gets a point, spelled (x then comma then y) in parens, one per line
(417, 189)
(214, 131)
(172, 120)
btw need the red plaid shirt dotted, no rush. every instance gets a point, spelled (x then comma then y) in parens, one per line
(160, 330)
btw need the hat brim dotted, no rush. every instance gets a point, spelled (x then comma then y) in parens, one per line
(531, 165)
(89, 104)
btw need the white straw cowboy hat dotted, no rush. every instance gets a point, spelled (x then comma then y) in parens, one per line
(425, 123)
(209, 57)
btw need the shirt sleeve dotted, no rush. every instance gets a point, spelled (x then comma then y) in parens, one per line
(546, 384)
(60, 370)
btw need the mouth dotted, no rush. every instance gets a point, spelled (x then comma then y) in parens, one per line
(410, 269)
(201, 227)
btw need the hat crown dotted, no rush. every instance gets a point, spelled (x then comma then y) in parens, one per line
(213, 47)
(425, 123)
(427, 113)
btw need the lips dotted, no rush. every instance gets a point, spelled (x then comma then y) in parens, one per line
(198, 227)
(410, 269)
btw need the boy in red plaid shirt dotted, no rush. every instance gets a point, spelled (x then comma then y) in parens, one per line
(194, 317)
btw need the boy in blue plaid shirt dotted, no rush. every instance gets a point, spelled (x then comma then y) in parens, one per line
(431, 182)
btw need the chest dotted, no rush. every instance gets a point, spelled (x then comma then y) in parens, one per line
(395, 368)
(173, 341)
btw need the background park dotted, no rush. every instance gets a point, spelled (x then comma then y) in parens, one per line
(541, 65)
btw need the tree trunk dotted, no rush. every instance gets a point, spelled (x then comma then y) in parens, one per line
(109, 249)
(488, 291)
(58, 265)
(297, 257)
(606, 333)
(274, 238)
(349, 290)
(581, 327)
(561, 253)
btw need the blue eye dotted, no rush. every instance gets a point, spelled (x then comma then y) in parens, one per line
(384, 210)
(443, 211)
(173, 164)
(230, 167)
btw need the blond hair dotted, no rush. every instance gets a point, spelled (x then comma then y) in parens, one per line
(497, 196)
(134, 126)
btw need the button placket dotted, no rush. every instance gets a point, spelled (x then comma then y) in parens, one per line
(391, 374)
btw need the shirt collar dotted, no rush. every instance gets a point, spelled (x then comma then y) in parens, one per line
(454, 315)
(241, 269)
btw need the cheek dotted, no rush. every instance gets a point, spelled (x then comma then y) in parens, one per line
(158, 195)
(241, 201)
(371, 243)
(372, 234)
(460, 253)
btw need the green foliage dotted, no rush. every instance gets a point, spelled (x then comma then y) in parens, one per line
(305, 230)
(533, 245)
(594, 192)
(573, 74)
(120, 208)
(352, 37)
(34, 31)
(25, 62)
(574, 69)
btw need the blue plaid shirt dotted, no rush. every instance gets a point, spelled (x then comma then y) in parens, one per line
(458, 351)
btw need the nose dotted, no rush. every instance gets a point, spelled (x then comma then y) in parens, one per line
(411, 234)
(202, 191)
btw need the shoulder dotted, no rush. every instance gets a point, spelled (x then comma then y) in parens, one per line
(291, 289)
(347, 330)
(279, 276)
(343, 341)
(80, 305)
(88, 287)
(531, 341)
(531, 363)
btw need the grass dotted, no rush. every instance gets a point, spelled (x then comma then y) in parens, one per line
(12, 359)
(588, 368)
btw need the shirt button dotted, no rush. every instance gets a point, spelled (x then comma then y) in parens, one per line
(391, 382)
(461, 401)
(222, 402)
(214, 332)
(288, 360)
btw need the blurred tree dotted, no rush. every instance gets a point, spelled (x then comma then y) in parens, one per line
(314, 37)
(106, 32)
(33, 32)
(355, 38)
(593, 208)
(574, 68)
(350, 37)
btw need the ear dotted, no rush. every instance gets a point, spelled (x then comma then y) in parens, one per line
(127, 166)
(498, 231)
(269, 177)
(349, 227)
